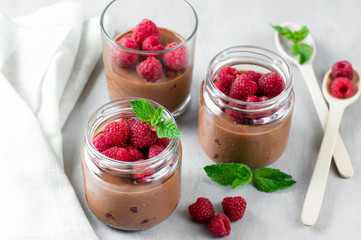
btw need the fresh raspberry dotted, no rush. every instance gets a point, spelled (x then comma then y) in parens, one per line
(202, 210)
(271, 84)
(253, 76)
(237, 116)
(176, 59)
(342, 87)
(143, 176)
(263, 98)
(342, 69)
(145, 29)
(141, 135)
(118, 153)
(221, 88)
(121, 57)
(220, 226)
(116, 134)
(234, 207)
(253, 98)
(227, 75)
(162, 142)
(150, 69)
(99, 143)
(129, 121)
(154, 150)
(152, 44)
(242, 88)
(135, 155)
(169, 73)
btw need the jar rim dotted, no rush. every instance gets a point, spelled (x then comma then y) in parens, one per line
(114, 43)
(116, 165)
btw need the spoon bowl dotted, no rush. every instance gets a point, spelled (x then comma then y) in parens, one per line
(316, 189)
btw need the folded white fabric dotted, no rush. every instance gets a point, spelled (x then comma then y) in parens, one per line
(44, 65)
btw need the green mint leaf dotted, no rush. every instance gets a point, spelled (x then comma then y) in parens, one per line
(229, 174)
(168, 129)
(295, 50)
(157, 116)
(143, 109)
(305, 52)
(301, 34)
(270, 180)
(282, 30)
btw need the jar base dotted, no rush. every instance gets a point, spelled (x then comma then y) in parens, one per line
(180, 110)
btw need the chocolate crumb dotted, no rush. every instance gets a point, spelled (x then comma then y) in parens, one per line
(218, 142)
(134, 209)
(175, 85)
(144, 221)
(216, 156)
(109, 216)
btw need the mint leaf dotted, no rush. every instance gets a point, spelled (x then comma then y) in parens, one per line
(168, 129)
(157, 116)
(229, 174)
(300, 34)
(270, 180)
(143, 109)
(305, 52)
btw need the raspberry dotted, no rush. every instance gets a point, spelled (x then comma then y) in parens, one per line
(144, 175)
(242, 88)
(227, 75)
(150, 69)
(116, 134)
(152, 44)
(202, 210)
(154, 150)
(118, 153)
(141, 135)
(145, 29)
(237, 116)
(220, 226)
(271, 84)
(99, 143)
(121, 57)
(263, 98)
(253, 76)
(162, 142)
(176, 59)
(253, 98)
(221, 88)
(129, 121)
(170, 73)
(134, 153)
(342, 87)
(234, 207)
(342, 69)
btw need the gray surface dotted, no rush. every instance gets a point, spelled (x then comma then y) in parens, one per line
(335, 27)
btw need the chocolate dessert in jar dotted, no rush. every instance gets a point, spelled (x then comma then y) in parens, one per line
(246, 105)
(149, 54)
(130, 182)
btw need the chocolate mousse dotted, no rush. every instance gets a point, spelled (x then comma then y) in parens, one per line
(171, 90)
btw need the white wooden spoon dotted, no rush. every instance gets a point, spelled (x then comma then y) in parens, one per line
(316, 189)
(340, 155)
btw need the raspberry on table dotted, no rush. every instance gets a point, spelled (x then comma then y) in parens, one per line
(234, 207)
(118, 153)
(145, 29)
(342, 69)
(135, 155)
(116, 134)
(154, 150)
(202, 210)
(141, 135)
(221, 88)
(220, 226)
(150, 69)
(162, 142)
(253, 76)
(151, 44)
(121, 57)
(342, 87)
(242, 88)
(99, 143)
(271, 84)
(176, 59)
(227, 75)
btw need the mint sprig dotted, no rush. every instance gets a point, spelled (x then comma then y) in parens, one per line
(236, 174)
(304, 50)
(146, 112)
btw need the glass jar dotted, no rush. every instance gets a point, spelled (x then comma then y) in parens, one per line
(261, 136)
(178, 24)
(129, 195)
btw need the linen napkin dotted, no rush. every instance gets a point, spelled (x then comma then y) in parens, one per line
(45, 60)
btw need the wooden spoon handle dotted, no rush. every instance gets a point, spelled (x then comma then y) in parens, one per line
(316, 189)
(340, 155)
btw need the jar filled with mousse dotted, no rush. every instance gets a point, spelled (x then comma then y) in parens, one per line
(131, 181)
(246, 105)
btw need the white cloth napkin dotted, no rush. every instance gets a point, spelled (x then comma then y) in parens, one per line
(45, 60)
